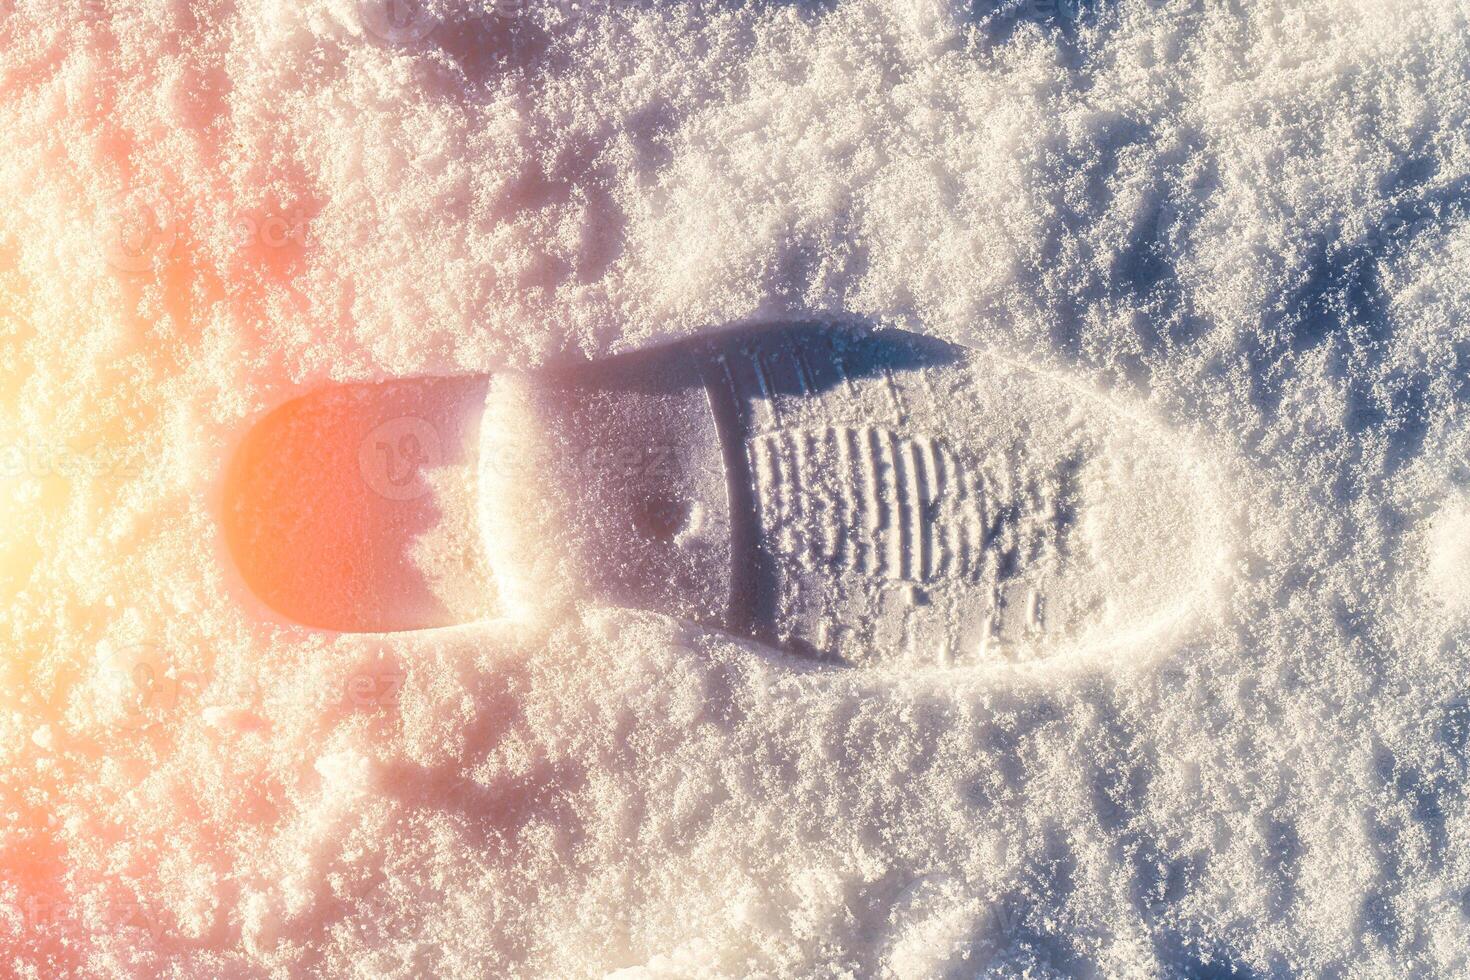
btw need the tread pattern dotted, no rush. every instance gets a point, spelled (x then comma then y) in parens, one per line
(866, 500)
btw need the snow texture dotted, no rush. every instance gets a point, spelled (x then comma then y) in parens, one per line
(1249, 219)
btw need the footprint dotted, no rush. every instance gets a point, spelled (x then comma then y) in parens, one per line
(873, 498)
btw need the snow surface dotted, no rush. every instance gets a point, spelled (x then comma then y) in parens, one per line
(1250, 218)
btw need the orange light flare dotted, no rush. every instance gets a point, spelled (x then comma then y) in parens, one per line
(102, 464)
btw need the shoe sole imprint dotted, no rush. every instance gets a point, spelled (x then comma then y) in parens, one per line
(869, 497)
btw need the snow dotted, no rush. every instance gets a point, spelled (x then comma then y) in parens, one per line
(1249, 220)
(1449, 555)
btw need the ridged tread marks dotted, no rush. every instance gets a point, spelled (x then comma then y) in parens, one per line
(866, 500)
